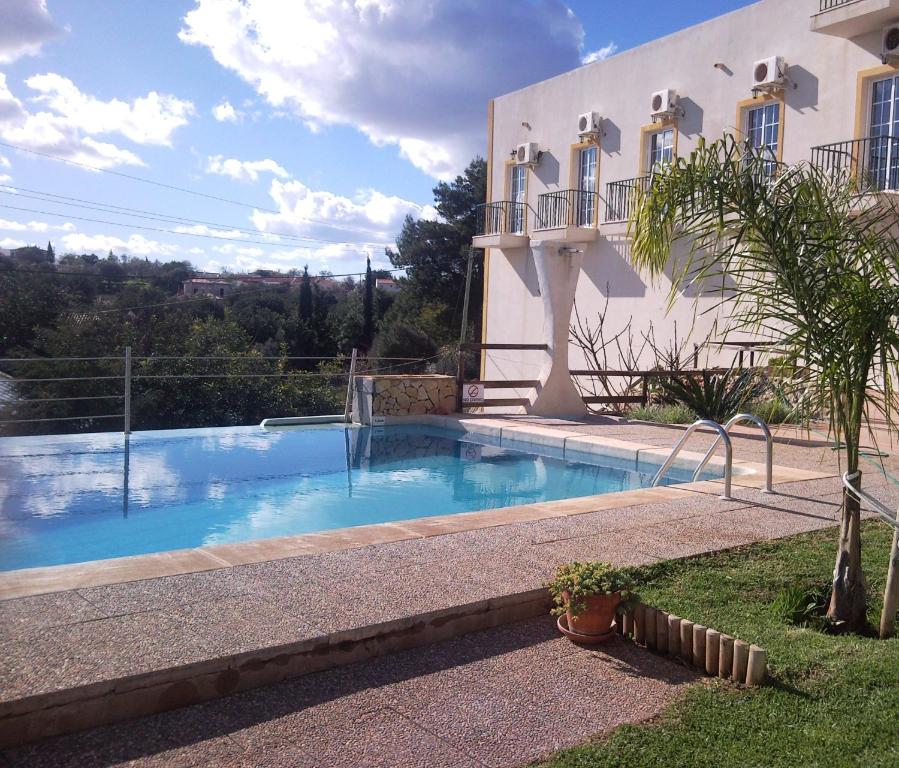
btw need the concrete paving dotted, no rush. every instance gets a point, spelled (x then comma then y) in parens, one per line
(502, 697)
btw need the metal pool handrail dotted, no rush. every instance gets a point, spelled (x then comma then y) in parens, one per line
(728, 453)
(769, 447)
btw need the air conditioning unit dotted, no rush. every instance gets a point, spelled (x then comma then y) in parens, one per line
(890, 48)
(588, 124)
(768, 74)
(665, 104)
(527, 154)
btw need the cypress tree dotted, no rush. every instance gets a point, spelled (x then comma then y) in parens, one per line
(368, 307)
(306, 296)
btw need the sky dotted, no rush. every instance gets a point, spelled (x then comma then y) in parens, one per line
(247, 134)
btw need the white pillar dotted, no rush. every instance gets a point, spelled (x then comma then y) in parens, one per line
(557, 275)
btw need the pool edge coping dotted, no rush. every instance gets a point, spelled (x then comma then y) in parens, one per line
(28, 582)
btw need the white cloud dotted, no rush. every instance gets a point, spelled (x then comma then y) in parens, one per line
(34, 226)
(9, 242)
(243, 170)
(25, 25)
(18, 226)
(136, 245)
(4, 162)
(72, 121)
(225, 113)
(413, 73)
(372, 217)
(150, 119)
(5, 178)
(600, 54)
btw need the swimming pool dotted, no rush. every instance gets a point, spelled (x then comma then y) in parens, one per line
(75, 498)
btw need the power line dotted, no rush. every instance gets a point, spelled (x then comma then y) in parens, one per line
(135, 178)
(161, 184)
(182, 234)
(78, 202)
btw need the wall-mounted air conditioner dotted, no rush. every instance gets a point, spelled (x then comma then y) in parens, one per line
(769, 74)
(527, 154)
(890, 48)
(665, 104)
(588, 124)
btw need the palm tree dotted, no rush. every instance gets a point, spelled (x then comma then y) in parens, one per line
(797, 258)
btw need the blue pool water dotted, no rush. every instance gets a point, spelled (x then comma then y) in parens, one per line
(73, 498)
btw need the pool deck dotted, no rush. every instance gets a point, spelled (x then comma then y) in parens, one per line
(87, 649)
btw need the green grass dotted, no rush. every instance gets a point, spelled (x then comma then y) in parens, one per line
(834, 700)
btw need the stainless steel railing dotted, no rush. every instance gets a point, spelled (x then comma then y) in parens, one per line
(28, 395)
(678, 447)
(769, 447)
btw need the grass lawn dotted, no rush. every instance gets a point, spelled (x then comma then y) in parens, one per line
(834, 701)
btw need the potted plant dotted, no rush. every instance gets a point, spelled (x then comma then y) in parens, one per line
(587, 598)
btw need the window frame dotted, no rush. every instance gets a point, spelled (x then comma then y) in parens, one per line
(747, 106)
(585, 211)
(511, 165)
(647, 134)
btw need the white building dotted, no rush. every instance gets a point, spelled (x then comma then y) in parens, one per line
(801, 79)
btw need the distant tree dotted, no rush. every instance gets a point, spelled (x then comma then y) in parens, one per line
(51, 256)
(306, 308)
(368, 307)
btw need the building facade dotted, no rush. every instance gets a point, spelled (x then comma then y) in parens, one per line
(803, 80)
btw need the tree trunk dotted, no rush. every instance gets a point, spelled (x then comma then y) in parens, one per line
(847, 601)
(891, 593)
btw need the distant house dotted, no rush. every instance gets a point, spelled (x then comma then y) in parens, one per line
(387, 284)
(206, 286)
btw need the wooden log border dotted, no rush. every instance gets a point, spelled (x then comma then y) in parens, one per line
(707, 650)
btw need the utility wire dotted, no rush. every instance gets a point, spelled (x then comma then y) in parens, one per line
(163, 185)
(135, 178)
(78, 202)
(176, 232)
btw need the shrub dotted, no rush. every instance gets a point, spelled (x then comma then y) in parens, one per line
(575, 581)
(717, 396)
(664, 414)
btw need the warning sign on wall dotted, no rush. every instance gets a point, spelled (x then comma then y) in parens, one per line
(473, 393)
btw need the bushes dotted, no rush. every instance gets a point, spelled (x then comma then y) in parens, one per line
(664, 414)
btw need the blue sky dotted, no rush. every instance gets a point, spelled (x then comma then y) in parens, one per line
(330, 124)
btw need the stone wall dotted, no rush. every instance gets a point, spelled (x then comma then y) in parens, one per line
(402, 396)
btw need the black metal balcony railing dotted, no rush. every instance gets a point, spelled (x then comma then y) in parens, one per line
(566, 208)
(500, 218)
(873, 162)
(827, 5)
(621, 197)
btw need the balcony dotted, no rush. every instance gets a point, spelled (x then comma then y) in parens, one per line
(851, 18)
(501, 225)
(872, 163)
(570, 215)
(621, 198)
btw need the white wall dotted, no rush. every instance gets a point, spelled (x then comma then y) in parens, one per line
(819, 109)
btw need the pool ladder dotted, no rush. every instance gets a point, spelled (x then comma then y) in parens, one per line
(723, 436)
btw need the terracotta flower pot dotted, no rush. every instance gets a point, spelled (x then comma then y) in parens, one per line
(598, 615)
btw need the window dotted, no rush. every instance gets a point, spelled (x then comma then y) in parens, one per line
(883, 154)
(517, 197)
(586, 187)
(661, 149)
(763, 134)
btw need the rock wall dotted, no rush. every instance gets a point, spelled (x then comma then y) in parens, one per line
(402, 396)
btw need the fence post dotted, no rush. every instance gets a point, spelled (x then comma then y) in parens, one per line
(645, 393)
(347, 408)
(127, 428)
(460, 378)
